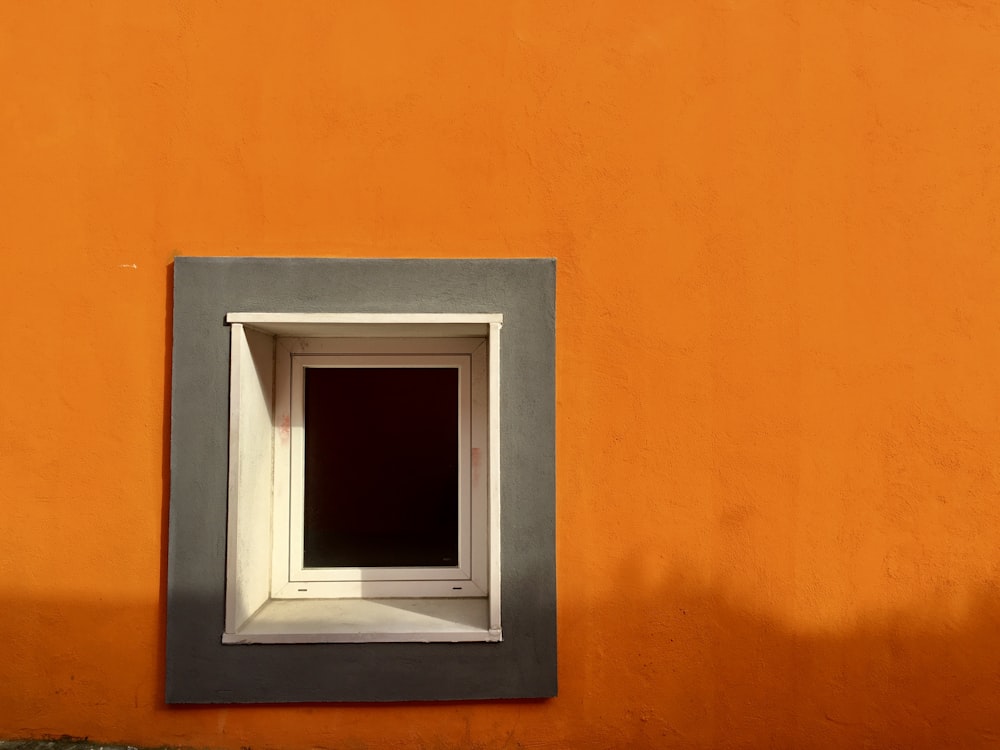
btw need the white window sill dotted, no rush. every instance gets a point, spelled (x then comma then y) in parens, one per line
(366, 621)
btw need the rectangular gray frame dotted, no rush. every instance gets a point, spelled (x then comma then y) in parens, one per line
(199, 668)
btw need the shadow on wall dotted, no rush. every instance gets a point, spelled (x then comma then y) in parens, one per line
(696, 671)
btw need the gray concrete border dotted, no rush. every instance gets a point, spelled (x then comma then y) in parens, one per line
(199, 668)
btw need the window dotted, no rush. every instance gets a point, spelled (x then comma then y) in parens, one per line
(201, 601)
(364, 488)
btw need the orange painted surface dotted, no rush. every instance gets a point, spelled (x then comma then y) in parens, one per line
(778, 328)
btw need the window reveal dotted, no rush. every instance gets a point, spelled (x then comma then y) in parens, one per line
(381, 519)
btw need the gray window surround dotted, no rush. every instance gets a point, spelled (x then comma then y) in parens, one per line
(199, 668)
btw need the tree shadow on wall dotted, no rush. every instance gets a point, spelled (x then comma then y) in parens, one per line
(684, 666)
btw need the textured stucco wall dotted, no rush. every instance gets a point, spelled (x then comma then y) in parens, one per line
(778, 368)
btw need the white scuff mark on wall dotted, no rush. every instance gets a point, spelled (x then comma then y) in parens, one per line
(133, 266)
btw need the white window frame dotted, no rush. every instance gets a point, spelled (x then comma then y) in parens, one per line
(469, 577)
(270, 598)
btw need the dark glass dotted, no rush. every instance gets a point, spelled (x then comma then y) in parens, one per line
(381, 467)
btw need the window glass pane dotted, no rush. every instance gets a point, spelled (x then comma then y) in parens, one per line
(381, 467)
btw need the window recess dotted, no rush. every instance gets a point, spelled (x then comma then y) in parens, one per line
(364, 478)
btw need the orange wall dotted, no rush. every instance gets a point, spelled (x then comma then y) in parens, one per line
(779, 350)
